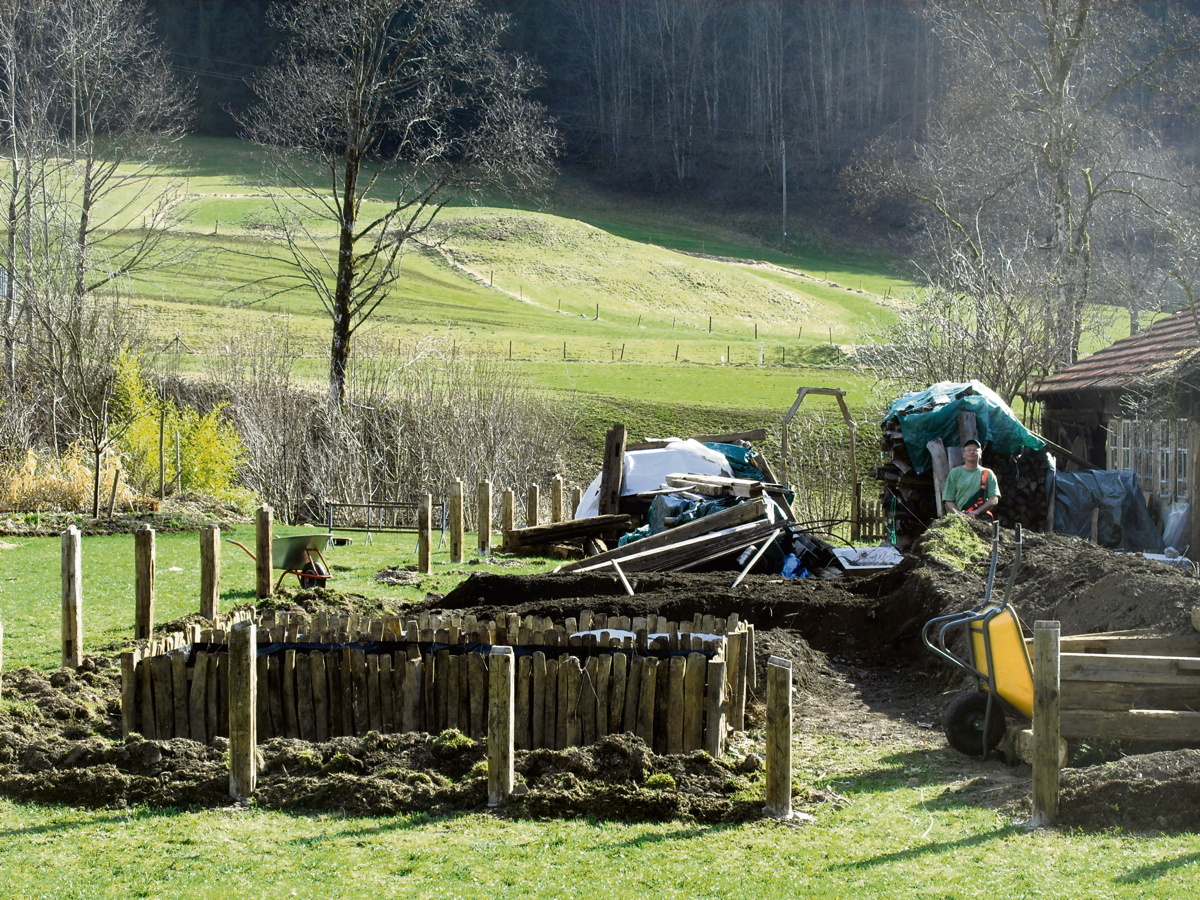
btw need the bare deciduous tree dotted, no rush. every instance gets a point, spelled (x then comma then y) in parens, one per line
(378, 113)
(1041, 150)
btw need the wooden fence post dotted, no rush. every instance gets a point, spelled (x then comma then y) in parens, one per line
(210, 570)
(715, 735)
(779, 738)
(424, 537)
(532, 501)
(556, 499)
(500, 725)
(508, 511)
(1046, 730)
(456, 521)
(576, 499)
(483, 511)
(243, 709)
(72, 598)
(143, 577)
(263, 539)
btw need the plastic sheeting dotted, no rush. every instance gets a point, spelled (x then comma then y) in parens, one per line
(1124, 523)
(932, 414)
(647, 470)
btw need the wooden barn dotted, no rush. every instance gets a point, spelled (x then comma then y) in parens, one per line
(1134, 405)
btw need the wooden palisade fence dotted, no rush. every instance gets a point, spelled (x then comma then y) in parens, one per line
(679, 686)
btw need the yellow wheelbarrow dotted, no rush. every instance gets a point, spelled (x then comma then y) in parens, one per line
(999, 663)
(299, 555)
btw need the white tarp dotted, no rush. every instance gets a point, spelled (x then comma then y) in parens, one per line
(647, 470)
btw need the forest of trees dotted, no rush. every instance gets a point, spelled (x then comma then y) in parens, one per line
(701, 94)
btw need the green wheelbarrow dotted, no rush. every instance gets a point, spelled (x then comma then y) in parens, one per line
(299, 555)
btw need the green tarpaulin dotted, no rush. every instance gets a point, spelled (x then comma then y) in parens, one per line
(931, 414)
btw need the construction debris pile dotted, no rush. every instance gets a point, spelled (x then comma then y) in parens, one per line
(923, 434)
(676, 505)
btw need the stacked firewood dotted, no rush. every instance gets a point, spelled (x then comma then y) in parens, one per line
(1022, 481)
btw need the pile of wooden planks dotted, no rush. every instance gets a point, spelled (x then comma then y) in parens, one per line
(689, 545)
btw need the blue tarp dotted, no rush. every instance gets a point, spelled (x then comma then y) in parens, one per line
(1124, 523)
(932, 414)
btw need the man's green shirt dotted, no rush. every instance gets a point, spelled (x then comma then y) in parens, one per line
(962, 484)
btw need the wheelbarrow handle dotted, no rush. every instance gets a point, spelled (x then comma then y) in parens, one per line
(243, 546)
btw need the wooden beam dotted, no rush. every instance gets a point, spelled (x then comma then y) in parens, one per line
(1131, 669)
(1134, 725)
(727, 518)
(688, 553)
(613, 473)
(571, 530)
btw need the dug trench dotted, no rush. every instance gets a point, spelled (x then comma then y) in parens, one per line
(860, 674)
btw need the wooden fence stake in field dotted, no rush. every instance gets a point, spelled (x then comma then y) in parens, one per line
(263, 535)
(210, 571)
(483, 510)
(72, 598)
(532, 501)
(456, 521)
(576, 499)
(500, 725)
(1045, 722)
(424, 536)
(556, 499)
(143, 563)
(243, 706)
(779, 738)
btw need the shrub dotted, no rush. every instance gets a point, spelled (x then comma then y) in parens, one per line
(46, 482)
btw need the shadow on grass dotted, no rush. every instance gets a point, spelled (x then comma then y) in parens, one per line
(928, 766)
(1158, 869)
(89, 821)
(404, 822)
(679, 834)
(934, 847)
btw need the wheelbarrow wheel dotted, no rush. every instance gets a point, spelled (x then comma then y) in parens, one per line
(965, 721)
(313, 575)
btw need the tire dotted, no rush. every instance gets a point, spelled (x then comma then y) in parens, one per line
(313, 575)
(965, 720)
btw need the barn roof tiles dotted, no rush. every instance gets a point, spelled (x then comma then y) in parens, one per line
(1137, 359)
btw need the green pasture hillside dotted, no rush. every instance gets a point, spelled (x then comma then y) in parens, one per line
(585, 278)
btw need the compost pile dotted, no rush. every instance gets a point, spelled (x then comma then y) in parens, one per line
(859, 672)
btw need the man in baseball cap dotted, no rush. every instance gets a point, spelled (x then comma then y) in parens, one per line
(971, 489)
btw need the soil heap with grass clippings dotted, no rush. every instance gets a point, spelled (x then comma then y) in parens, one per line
(859, 672)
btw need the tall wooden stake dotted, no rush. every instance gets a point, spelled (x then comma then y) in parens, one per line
(424, 534)
(779, 738)
(1046, 723)
(556, 499)
(263, 542)
(532, 501)
(210, 570)
(243, 708)
(483, 512)
(143, 544)
(500, 725)
(72, 598)
(456, 521)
